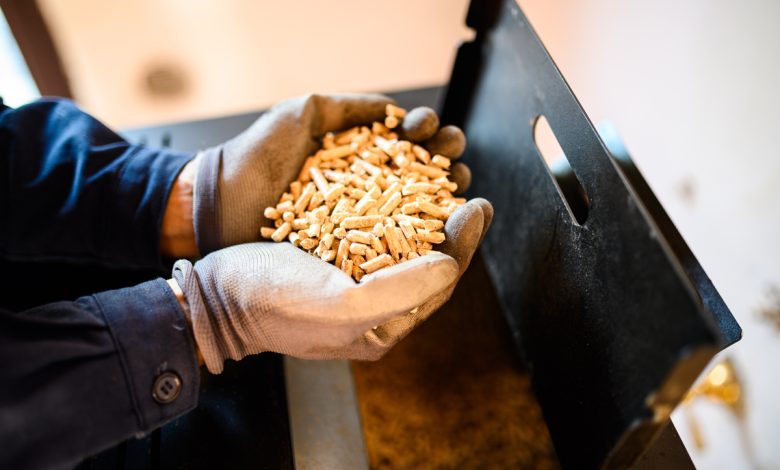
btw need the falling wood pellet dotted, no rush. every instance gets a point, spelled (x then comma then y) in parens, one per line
(366, 200)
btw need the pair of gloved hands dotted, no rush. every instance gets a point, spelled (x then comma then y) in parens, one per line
(247, 297)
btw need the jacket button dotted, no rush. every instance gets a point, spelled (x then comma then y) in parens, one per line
(166, 388)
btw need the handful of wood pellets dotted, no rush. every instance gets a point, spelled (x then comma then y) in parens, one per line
(366, 200)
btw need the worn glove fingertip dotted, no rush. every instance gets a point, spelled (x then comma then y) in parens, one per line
(487, 213)
(460, 174)
(420, 124)
(464, 232)
(450, 141)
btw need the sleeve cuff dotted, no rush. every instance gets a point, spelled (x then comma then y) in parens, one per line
(205, 201)
(156, 350)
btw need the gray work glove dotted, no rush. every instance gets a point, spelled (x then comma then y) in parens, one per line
(237, 180)
(266, 296)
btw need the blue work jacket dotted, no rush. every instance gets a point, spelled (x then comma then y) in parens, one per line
(79, 374)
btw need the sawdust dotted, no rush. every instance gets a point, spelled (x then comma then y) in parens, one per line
(452, 395)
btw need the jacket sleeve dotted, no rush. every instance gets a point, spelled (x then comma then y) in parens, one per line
(78, 377)
(72, 190)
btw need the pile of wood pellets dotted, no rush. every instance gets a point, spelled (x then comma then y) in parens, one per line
(367, 200)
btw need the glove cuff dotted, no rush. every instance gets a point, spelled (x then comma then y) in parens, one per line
(205, 204)
(202, 329)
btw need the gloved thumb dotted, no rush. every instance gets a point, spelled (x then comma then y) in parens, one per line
(464, 231)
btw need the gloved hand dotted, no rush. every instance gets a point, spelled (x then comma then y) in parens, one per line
(266, 296)
(237, 180)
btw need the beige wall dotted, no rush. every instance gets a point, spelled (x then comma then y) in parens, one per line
(240, 55)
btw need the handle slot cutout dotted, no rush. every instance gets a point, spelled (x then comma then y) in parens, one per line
(569, 187)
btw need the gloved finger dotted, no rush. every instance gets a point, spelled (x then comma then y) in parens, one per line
(448, 141)
(394, 291)
(487, 212)
(460, 174)
(341, 111)
(393, 331)
(463, 232)
(419, 124)
(376, 342)
(367, 347)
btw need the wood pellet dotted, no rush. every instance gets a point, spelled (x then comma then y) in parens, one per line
(366, 200)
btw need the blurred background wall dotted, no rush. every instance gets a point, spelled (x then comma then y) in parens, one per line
(690, 86)
(136, 62)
